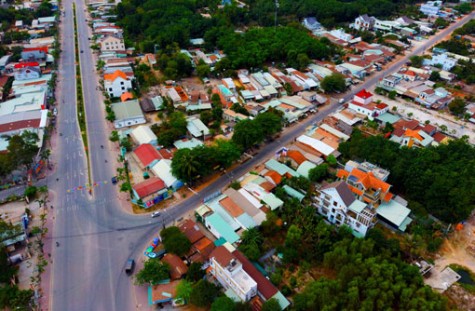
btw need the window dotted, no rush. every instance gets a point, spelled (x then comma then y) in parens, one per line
(122, 83)
(110, 89)
(123, 88)
(334, 203)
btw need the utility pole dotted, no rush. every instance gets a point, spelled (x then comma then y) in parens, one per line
(275, 16)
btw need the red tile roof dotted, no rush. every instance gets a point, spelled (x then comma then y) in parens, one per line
(264, 286)
(126, 96)
(191, 230)
(297, 156)
(274, 176)
(26, 64)
(165, 154)
(204, 246)
(177, 266)
(364, 94)
(13, 126)
(149, 186)
(231, 207)
(146, 154)
(438, 137)
(429, 128)
(222, 256)
(43, 49)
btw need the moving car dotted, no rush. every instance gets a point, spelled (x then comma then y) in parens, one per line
(114, 180)
(129, 266)
(155, 214)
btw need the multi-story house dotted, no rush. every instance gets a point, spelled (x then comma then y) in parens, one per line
(117, 83)
(228, 270)
(111, 43)
(364, 22)
(431, 8)
(337, 203)
(363, 103)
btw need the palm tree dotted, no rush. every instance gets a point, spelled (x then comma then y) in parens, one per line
(185, 165)
(252, 236)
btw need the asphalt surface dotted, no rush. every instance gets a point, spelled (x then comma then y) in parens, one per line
(96, 237)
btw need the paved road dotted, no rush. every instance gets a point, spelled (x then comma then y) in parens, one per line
(95, 235)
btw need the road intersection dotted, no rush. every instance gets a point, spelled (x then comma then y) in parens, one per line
(96, 236)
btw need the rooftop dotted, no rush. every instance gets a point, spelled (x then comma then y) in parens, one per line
(177, 266)
(149, 187)
(146, 154)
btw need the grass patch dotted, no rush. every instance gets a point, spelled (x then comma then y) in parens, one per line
(468, 277)
(80, 100)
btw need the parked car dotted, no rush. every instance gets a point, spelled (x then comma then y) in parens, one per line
(114, 180)
(129, 266)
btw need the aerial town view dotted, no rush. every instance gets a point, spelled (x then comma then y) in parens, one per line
(228, 155)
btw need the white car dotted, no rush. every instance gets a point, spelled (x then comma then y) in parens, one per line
(155, 214)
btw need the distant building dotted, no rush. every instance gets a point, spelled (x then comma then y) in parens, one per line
(228, 270)
(128, 114)
(364, 22)
(117, 83)
(111, 43)
(311, 23)
(431, 8)
(443, 60)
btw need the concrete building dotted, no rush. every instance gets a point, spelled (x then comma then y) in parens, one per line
(230, 273)
(117, 83)
(128, 114)
(111, 43)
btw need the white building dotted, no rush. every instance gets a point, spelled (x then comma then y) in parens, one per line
(311, 24)
(128, 113)
(441, 59)
(117, 83)
(364, 22)
(229, 272)
(431, 8)
(27, 71)
(144, 135)
(338, 205)
(111, 43)
(363, 103)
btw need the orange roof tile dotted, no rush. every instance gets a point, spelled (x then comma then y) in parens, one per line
(297, 156)
(413, 134)
(231, 207)
(342, 173)
(126, 96)
(274, 176)
(388, 197)
(115, 75)
(370, 181)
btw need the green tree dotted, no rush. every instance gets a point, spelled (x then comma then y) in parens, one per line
(416, 61)
(114, 137)
(30, 191)
(247, 133)
(392, 94)
(434, 76)
(271, 305)
(6, 270)
(441, 23)
(227, 152)
(203, 71)
(334, 83)
(153, 272)
(185, 165)
(318, 173)
(331, 160)
(183, 290)
(195, 272)
(464, 8)
(457, 106)
(203, 293)
(223, 303)
(22, 148)
(175, 241)
(270, 123)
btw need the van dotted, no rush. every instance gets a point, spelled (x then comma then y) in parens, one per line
(129, 266)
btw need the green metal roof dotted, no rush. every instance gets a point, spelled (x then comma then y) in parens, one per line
(283, 302)
(394, 212)
(294, 193)
(388, 118)
(305, 168)
(280, 168)
(273, 201)
(221, 226)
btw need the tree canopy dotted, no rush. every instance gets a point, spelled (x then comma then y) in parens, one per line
(203, 293)
(440, 179)
(175, 241)
(153, 272)
(333, 83)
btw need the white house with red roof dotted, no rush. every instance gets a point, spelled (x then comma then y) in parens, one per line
(27, 71)
(148, 189)
(363, 103)
(34, 53)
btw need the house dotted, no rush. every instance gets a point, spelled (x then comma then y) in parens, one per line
(111, 43)
(367, 187)
(232, 116)
(305, 81)
(431, 8)
(27, 71)
(16, 123)
(340, 34)
(163, 170)
(265, 289)
(228, 270)
(150, 104)
(191, 230)
(339, 206)
(177, 267)
(197, 128)
(435, 99)
(26, 102)
(311, 24)
(164, 292)
(117, 83)
(32, 54)
(128, 114)
(364, 22)
(363, 103)
(443, 60)
(146, 155)
(358, 70)
(148, 189)
(144, 135)
(316, 147)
